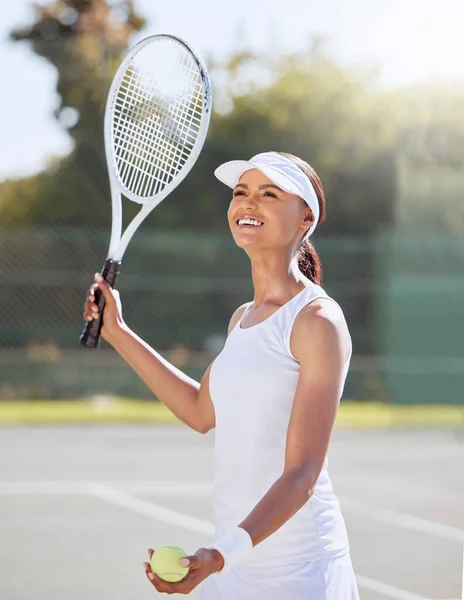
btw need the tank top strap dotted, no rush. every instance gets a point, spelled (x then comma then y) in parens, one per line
(311, 293)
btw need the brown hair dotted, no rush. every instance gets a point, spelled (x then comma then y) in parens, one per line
(309, 262)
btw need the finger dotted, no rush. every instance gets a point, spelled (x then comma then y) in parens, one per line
(100, 281)
(189, 561)
(148, 570)
(159, 584)
(150, 552)
(186, 585)
(90, 311)
(104, 287)
(89, 314)
(91, 290)
(90, 307)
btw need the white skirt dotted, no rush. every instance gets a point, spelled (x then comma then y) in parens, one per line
(324, 579)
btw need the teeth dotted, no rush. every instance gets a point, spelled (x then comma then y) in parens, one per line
(247, 221)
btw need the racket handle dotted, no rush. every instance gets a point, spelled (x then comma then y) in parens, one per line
(90, 336)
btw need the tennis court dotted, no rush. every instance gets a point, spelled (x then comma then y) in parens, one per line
(80, 505)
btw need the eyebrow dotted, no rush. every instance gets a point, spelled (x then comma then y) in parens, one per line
(261, 187)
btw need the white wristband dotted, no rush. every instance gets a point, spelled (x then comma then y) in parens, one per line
(233, 545)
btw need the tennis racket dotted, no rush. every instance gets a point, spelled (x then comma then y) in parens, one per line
(156, 120)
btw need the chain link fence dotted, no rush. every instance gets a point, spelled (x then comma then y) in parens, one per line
(179, 290)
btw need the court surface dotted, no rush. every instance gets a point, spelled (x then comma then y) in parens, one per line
(80, 505)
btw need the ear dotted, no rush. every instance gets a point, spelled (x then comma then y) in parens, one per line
(308, 219)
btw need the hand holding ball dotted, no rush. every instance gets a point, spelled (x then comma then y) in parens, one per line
(165, 563)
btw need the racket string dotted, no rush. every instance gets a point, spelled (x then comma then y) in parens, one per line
(132, 137)
(155, 130)
(143, 135)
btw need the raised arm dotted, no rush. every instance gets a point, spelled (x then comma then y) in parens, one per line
(189, 400)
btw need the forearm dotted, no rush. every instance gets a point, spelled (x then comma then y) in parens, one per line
(288, 494)
(175, 389)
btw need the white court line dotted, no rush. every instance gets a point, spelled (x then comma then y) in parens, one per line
(168, 488)
(204, 488)
(166, 515)
(106, 491)
(393, 517)
(149, 509)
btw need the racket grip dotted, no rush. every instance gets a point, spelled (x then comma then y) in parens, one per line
(90, 337)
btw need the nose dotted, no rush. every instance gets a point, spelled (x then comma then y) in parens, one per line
(250, 201)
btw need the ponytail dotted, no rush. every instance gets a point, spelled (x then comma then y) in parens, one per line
(309, 262)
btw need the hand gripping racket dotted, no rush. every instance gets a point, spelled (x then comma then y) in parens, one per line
(156, 119)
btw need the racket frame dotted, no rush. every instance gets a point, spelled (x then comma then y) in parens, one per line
(119, 241)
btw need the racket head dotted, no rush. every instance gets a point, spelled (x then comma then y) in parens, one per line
(157, 117)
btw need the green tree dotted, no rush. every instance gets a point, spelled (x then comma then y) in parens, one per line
(430, 159)
(84, 40)
(335, 118)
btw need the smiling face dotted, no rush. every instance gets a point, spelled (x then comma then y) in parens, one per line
(262, 215)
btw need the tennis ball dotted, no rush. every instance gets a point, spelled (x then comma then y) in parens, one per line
(165, 563)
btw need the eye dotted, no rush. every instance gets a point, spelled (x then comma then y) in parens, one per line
(239, 193)
(268, 193)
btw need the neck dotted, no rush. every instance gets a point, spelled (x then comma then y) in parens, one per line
(275, 281)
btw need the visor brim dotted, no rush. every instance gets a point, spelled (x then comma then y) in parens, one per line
(230, 172)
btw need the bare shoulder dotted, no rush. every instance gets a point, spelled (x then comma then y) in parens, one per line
(322, 310)
(237, 316)
(322, 322)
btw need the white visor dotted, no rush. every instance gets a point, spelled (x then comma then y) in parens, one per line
(281, 171)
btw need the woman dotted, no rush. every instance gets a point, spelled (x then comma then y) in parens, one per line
(272, 395)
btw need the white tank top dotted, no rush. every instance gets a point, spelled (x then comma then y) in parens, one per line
(252, 386)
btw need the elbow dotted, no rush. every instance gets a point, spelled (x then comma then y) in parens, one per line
(304, 482)
(307, 486)
(310, 490)
(205, 427)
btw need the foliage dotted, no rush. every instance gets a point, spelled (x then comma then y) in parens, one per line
(356, 135)
(382, 155)
(84, 40)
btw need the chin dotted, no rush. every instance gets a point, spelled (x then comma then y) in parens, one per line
(244, 241)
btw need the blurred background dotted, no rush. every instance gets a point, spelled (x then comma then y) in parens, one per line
(372, 98)
(371, 94)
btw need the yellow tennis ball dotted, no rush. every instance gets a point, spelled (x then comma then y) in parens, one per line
(165, 563)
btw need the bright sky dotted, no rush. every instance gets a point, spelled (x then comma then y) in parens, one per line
(408, 40)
